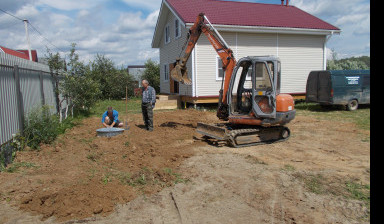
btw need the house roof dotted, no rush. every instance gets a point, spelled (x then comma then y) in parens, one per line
(33, 53)
(247, 14)
(14, 53)
(20, 53)
(240, 14)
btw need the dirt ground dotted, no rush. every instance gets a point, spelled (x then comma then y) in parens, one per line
(170, 175)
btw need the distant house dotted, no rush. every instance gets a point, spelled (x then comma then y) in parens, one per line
(20, 53)
(250, 29)
(136, 71)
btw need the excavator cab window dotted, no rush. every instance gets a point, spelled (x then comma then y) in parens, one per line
(264, 94)
(242, 90)
(263, 81)
(278, 78)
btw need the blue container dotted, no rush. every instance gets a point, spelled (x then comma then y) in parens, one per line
(339, 87)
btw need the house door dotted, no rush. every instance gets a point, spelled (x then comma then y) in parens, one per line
(173, 86)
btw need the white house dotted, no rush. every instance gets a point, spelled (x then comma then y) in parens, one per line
(250, 29)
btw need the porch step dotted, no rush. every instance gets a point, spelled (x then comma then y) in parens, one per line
(167, 102)
(167, 97)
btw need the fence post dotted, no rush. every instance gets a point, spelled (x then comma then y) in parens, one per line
(42, 88)
(19, 96)
(55, 84)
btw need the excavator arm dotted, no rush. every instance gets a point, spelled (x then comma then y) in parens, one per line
(180, 73)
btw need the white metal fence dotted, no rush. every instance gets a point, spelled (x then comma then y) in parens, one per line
(24, 85)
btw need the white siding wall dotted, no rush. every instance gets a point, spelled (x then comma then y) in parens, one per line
(168, 54)
(299, 54)
(207, 84)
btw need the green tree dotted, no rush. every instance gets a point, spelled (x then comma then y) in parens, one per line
(152, 74)
(353, 63)
(113, 81)
(57, 66)
(55, 62)
(78, 84)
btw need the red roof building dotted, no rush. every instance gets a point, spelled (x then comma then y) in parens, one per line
(247, 14)
(20, 53)
(298, 38)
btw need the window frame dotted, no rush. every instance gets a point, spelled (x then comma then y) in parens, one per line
(178, 27)
(166, 72)
(218, 78)
(167, 28)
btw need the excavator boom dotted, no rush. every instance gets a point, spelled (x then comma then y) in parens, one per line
(180, 73)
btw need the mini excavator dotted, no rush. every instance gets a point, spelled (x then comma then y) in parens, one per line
(250, 101)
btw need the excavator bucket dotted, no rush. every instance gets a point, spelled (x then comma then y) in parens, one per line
(180, 74)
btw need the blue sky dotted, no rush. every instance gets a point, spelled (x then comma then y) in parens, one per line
(123, 29)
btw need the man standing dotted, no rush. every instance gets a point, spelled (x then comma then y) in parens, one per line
(110, 118)
(147, 104)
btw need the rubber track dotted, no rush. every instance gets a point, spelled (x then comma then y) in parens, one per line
(234, 133)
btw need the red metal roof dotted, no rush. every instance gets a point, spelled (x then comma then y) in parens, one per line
(33, 53)
(247, 14)
(14, 53)
(20, 53)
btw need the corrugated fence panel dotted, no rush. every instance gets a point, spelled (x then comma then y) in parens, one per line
(30, 88)
(49, 91)
(6, 59)
(8, 105)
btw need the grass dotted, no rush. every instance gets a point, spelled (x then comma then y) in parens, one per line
(314, 183)
(358, 191)
(289, 168)
(177, 176)
(106, 178)
(361, 117)
(349, 189)
(16, 166)
(93, 157)
(133, 106)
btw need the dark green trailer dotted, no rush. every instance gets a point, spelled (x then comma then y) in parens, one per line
(339, 87)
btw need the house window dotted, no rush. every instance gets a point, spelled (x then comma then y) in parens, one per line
(219, 69)
(167, 35)
(177, 29)
(166, 72)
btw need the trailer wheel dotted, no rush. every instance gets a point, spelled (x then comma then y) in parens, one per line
(352, 105)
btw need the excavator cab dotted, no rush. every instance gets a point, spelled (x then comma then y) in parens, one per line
(254, 86)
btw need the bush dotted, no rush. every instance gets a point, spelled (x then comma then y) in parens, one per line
(40, 127)
(43, 127)
(8, 150)
(6, 156)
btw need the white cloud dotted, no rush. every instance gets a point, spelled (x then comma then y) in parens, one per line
(69, 4)
(147, 4)
(125, 34)
(351, 16)
(134, 22)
